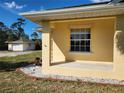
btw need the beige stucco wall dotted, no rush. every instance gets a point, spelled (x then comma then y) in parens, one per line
(105, 32)
(102, 33)
(46, 46)
(119, 47)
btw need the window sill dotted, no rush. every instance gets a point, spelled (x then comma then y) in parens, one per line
(83, 53)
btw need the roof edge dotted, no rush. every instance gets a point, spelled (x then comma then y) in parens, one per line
(71, 9)
(60, 9)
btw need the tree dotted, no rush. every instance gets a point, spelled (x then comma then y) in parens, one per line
(34, 35)
(18, 28)
(12, 33)
(35, 38)
(11, 36)
(3, 36)
(1, 25)
(6, 31)
(25, 37)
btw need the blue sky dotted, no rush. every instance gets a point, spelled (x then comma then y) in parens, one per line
(9, 9)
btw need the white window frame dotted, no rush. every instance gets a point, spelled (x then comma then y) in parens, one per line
(79, 32)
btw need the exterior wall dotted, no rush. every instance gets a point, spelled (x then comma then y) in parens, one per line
(103, 40)
(10, 47)
(17, 47)
(32, 47)
(102, 33)
(28, 46)
(46, 48)
(21, 47)
(119, 47)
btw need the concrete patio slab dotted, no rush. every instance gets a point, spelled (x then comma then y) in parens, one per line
(36, 72)
(88, 65)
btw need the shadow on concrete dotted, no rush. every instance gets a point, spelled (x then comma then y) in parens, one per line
(9, 66)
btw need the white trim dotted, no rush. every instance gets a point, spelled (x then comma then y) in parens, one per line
(82, 32)
(80, 53)
(74, 9)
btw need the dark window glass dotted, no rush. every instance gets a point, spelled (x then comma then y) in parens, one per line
(88, 36)
(82, 48)
(72, 36)
(87, 49)
(72, 48)
(80, 40)
(82, 36)
(77, 43)
(72, 43)
(77, 48)
(87, 42)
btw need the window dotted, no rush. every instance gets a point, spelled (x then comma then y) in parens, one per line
(80, 40)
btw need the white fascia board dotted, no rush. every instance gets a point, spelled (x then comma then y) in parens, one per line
(76, 9)
(64, 10)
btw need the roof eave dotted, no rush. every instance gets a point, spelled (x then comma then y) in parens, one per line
(59, 10)
(45, 15)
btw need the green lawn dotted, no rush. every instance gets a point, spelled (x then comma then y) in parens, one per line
(16, 82)
(22, 58)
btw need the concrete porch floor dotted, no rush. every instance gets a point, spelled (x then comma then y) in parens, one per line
(87, 65)
(36, 72)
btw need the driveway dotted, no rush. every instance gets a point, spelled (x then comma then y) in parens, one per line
(10, 54)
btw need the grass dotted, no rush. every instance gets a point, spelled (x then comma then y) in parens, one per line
(16, 82)
(22, 58)
(11, 63)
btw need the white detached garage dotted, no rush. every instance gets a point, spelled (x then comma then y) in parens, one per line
(21, 45)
